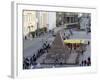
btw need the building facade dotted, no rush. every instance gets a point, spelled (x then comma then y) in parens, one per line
(85, 21)
(35, 20)
(67, 19)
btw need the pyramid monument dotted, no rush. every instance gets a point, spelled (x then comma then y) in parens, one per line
(58, 43)
(57, 50)
(58, 53)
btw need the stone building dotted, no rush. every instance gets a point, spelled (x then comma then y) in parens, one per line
(67, 19)
(34, 20)
(85, 21)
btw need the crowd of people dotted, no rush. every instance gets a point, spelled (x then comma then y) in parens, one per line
(28, 61)
(67, 35)
(78, 48)
(86, 62)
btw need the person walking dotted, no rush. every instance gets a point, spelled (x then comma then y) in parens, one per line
(88, 61)
(71, 31)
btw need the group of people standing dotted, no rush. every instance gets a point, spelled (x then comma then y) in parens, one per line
(28, 61)
(86, 62)
(67, 35)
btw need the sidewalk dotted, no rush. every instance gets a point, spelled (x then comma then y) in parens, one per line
(80, 35)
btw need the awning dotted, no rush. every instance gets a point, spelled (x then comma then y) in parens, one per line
(73, 41)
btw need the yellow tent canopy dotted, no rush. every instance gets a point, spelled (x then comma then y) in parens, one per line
(74, 41)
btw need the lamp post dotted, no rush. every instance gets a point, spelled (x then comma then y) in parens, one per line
(32, 26)
(29, 30)
(29, 27)
(37, 27)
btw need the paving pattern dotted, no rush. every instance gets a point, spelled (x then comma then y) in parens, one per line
(30, 47)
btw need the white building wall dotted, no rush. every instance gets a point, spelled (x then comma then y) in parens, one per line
(43, 19)
(51, 20)
(29, 19)
(84, 22)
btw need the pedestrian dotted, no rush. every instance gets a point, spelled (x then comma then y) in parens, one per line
(89, 61)
(82, 63)
(85, 62)
(70, 32)
(88, 42)
(82, 52)
(25, 38)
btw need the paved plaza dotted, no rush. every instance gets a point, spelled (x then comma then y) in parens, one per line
(56, 39)
(33, 45)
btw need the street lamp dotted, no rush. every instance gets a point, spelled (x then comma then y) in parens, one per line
(37, 27)
(32, 26)
(29, 30)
